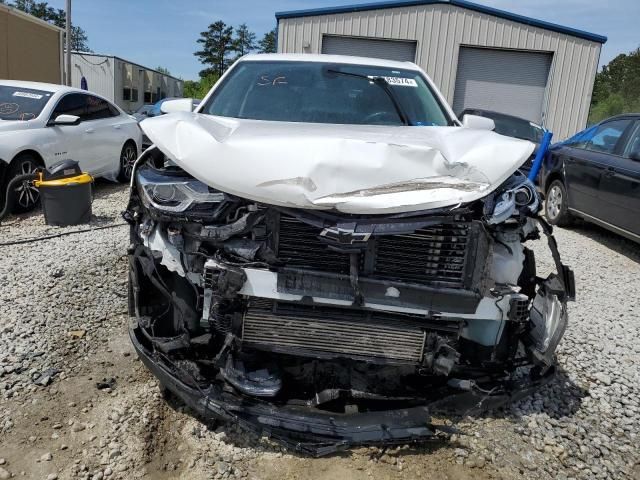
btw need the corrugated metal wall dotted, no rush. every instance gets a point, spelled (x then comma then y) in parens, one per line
(29, 49)
(98, 71)
(109, 76)
(440, 30)
(129, 76)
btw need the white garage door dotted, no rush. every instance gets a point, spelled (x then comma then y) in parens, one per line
(367, 47)
(503, 81)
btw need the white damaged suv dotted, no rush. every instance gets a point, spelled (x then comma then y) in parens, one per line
(42, 124)
(322, 253)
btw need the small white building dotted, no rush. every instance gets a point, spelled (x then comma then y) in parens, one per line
(125, 83)
(480, 57)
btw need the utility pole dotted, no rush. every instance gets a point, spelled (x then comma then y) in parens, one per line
(68, 43)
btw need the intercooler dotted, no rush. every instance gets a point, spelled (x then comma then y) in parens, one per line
(313, 331)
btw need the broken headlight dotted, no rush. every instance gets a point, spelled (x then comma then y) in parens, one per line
(548, 323)
(174, 192)
(520, 195)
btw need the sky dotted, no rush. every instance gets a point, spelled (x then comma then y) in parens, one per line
(164, 32)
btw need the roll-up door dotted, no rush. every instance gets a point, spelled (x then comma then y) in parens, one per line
(367, 47)
(505, 81)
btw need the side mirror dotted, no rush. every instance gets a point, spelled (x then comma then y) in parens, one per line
(477, 122)
(635, 155)
(65, 120)
(177, 105)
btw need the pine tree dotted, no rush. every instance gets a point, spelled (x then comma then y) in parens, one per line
(268, 42)
(217, 45)
(245, 40)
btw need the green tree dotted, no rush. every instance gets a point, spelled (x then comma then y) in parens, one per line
(617, 87)
(244, 41)
(198, 89)
(268, 42)
(163, 70)
(58, 17)
(217, 45)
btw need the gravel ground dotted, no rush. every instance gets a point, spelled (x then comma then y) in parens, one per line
(63, 330)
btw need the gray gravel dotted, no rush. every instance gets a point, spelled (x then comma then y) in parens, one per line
(63, 329)
(586, 423)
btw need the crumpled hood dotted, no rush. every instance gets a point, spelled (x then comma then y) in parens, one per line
(349, 168)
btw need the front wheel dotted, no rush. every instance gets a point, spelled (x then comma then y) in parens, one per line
(25, 195)
(556, 205)
(128, 158)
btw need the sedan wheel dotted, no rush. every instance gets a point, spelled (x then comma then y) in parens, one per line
(554, 202)
(26, 196)
(127, 160)
(556, 208)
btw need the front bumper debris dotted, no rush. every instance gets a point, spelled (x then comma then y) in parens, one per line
(320, 433)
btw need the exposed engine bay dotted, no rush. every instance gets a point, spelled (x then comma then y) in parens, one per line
(324, 329)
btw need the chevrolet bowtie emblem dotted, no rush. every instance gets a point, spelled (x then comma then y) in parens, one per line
(344, 236)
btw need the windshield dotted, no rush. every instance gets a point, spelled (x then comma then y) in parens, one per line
(22, 103)
(515, 127)
(317, 92)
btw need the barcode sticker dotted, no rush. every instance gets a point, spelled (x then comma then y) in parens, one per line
(400, 81)
(27, 95)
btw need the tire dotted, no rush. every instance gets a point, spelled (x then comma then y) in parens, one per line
(25, 196)
(128, 157)
(556, 207)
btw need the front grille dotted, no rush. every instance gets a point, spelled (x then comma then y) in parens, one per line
(435, 255)
(308, 329)
(430, 255)
(299, 246)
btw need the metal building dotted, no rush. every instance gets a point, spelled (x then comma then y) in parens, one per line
(478, 56)
(125, 83)
(30, 48)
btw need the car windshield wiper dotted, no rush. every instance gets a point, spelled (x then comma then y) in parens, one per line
(382, 83)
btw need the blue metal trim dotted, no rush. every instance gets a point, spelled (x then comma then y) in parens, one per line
(458, 3)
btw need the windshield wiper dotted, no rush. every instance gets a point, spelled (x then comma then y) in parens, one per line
(382, 83)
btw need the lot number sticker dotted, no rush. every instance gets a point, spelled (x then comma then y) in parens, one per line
(27, 95)
(401, 81)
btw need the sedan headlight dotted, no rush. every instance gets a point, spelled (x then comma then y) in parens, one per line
(174, 193)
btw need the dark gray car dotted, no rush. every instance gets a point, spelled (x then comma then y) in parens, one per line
(595, 175)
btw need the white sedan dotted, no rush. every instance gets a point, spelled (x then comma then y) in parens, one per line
(42, 124)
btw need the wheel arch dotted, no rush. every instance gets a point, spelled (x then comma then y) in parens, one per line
(29, 151)
(133, 142)
(556, 175)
